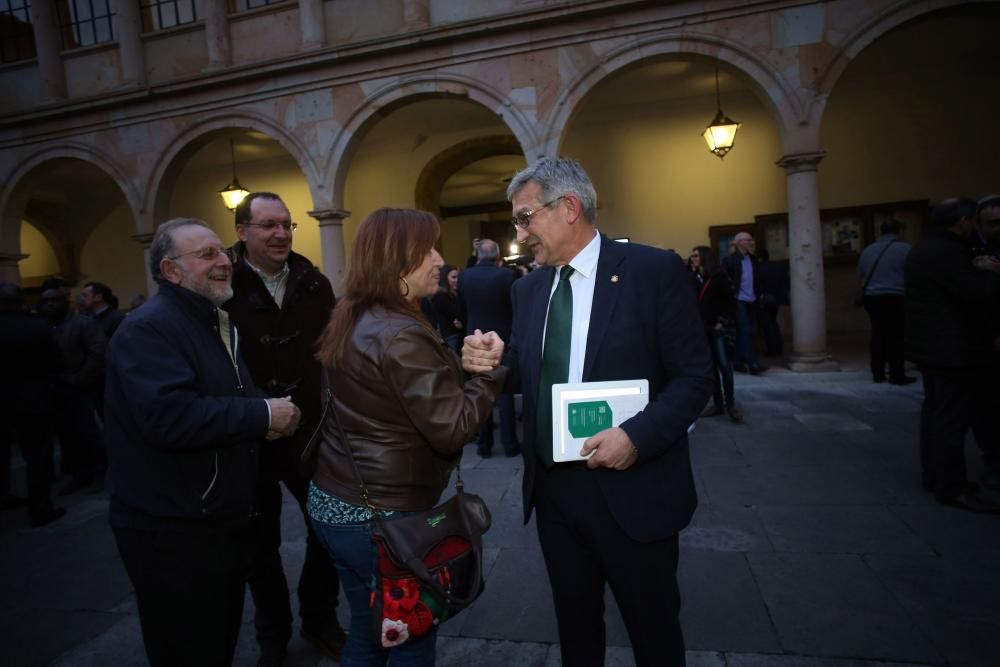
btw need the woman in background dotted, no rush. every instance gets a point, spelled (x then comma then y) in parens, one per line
(445, 304)
(717, 305)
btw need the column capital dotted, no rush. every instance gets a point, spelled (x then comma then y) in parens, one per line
(330, 216)
(143, 239)
(797, 162)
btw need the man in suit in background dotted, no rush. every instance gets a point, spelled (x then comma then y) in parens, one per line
(743, 268)
(604, 311)
(484, 304)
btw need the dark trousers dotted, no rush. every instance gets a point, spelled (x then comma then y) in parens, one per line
(508, 432)
(319, 585)
(886, 346)
(723, 395)
(746, 327)
(584, 549)
(955, 400)
(774, 344)
(80, 440)
(189, 586)
(34, 435)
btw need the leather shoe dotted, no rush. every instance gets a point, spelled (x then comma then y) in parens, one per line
(272, 658)
(512, 451)
(757, 370)
(740, 368)
(712, 411)
(991, 480)
(903, 381)
(331, 640)
(11, 502)
(48, 517)
(971, 503)
(735, 415)
(484, 451)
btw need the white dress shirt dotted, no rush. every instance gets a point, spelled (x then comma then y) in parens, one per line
(582, 283)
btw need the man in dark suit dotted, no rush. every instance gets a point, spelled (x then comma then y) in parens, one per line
(743, 268)
(484, 304)
(612, 311)
(949, 302)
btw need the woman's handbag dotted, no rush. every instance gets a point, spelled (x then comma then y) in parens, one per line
(429, 563)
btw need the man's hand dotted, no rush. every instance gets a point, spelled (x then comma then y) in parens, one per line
(482, 352)
(986, 263)
(612, 448)
(285, 417)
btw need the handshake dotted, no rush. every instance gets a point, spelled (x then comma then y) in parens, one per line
(482, 352)
(285, 417)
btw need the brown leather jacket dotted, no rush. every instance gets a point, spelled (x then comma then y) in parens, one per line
(404, 406)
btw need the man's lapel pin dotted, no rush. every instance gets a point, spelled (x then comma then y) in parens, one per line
(614, 278)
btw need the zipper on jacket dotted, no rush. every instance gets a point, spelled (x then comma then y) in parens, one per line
(215, 477)
(236, 351)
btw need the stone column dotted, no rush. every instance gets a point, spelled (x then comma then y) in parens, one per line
(9, 272)
(313, 24)
(416, 14)
(52, 74)
(805, 256)
(145, 240)
(130, 50)
(216, 33)
(331, 243)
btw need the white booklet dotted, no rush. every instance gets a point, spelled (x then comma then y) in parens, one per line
(583, 409)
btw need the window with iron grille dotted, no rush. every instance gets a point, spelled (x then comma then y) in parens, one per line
(17, 39)
(160, 14)
(86, 22)
(243, 5)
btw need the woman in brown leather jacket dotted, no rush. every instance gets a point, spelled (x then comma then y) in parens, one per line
(404, 405)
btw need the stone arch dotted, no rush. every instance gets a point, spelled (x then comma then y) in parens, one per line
(400, 93)
(15, 195)
(770, 86)
(170, 162)
(888, 18)
(427, 193)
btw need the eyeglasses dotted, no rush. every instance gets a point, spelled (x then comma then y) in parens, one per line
(272, 226)
(208, 253)
(523, 219)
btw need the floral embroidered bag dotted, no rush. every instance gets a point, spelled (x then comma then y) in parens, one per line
(429, 566)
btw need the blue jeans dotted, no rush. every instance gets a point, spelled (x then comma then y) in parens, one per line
(723, 369)
(350, 547)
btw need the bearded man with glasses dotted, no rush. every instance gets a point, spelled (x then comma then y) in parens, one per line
(184, 426)
(281, 303)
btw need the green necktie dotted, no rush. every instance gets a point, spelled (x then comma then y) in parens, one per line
(555, 360)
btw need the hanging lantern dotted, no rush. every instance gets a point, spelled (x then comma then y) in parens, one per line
(233, 193)
(721, 132)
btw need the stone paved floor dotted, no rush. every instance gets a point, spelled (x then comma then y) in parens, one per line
(813, 546)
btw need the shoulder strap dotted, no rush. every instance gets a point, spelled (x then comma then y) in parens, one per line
(704, 288)
(878, 259)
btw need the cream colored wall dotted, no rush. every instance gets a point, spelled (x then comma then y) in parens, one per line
(386, 167)
(908, 122)
(197, 195)
(111, 256)
(656, 181)
(41, 261)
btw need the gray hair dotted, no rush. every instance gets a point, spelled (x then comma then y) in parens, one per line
(557, 177)
(488, 250)
(163, 243)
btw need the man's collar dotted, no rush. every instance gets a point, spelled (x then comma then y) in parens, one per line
(585, 262)
(262, 273)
